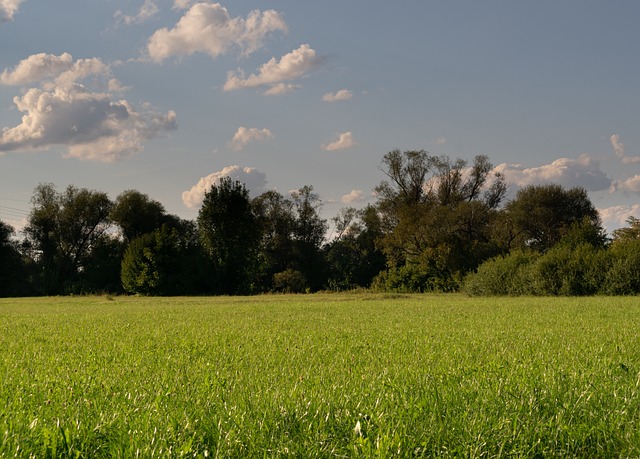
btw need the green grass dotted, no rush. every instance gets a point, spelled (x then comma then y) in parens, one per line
(320, 376)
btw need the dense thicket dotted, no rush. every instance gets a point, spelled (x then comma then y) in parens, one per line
(438, 225)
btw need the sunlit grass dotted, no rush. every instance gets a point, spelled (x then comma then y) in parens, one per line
(319, 376)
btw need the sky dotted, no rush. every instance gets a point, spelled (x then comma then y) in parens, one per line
(167, 96)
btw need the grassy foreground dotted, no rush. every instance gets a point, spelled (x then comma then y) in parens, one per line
(320, 376)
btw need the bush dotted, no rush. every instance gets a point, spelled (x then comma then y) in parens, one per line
(503, 275)
(414, 278)
(289, 281)
(623, 277)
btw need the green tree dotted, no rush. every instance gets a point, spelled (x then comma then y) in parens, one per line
(63, 229)
(437, 215)
(540, 215)
(14, 272)
(629, 233)
(276, 220)
(308, 233)
(230, 236)
(136, 214)
(353, 260)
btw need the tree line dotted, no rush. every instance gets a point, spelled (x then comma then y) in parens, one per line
(438, 225)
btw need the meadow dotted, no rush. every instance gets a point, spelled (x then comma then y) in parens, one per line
(324, 375)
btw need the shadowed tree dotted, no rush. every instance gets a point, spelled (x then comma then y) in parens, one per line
(230, 235)
(63, 229)
(540, 215)
(136, 214)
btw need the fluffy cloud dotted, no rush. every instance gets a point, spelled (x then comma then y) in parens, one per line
(293, 65)
(63, 111)
(616, 217)
(243, 136)
(619, 150)
(631, 184)
(343, 94)
(352, 197)
(147, 11)
(345, 140)
(254, 180)
(8, 8)
(583, 172)
(208, 28)
(37, 67)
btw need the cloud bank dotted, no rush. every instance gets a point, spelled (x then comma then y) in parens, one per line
(91, 124)
(254, 180)
(208, 28)
(244, 136)
(583, 172)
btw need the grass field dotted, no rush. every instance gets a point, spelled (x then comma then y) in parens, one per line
(320, 376)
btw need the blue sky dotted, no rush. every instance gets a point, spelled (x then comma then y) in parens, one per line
(166, 96)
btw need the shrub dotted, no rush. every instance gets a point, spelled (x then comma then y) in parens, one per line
(623, 277)
(289, 281)
(503, 275)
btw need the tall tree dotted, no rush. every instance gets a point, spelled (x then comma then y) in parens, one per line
(63, 228)
(13, 266)
(352, 256)
(309, 232)
(276, 220)
(136, 214)
(230, 235)
(436, 213)
(540, 215)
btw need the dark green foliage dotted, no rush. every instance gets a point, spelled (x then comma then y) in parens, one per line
(14, 267)
(289, 281)
(437, 216)
(308, 235)
(541, 215)
(101, 273)
(163, 262)
(230, 234)
(136, 214)
(63, 229)
(353, 260)
(276, 220)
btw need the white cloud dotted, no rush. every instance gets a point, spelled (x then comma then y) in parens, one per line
(148, 9)
(254, 180)
(63, 111)
(281, 88)
(208, 28)
(345, 140)
(618, 147)
(631, 184)
(616, 217)
(37, 67)
(343, 94)
(243, 136)
(182, 4)
(8, 8)
(619, 150)
(353, 196)
(582, 172)
(440, 141)
(290, 66)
